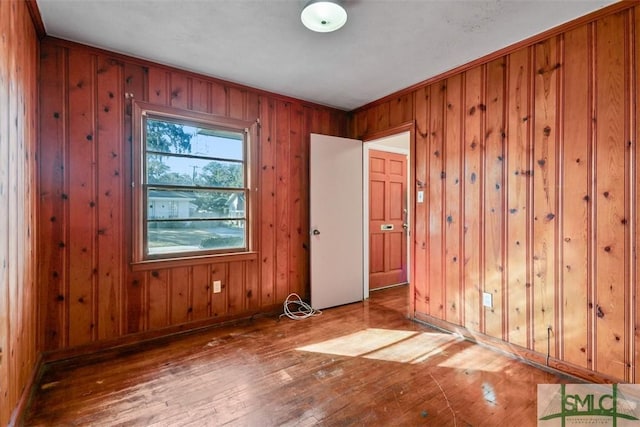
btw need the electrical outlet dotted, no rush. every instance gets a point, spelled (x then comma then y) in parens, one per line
(487, 299)
(217, 286)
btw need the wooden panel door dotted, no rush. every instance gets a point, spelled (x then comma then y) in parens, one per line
(387, 219)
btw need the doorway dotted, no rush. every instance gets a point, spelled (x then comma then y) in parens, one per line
(387, 216)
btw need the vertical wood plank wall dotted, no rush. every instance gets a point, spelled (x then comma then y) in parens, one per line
(18, 101)
(530, 168)
(89, 294)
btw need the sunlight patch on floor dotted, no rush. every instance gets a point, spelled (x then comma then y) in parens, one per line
(386, 344)
(359, 343)
(469, 359)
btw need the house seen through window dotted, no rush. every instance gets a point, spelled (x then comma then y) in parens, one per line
(194, 187)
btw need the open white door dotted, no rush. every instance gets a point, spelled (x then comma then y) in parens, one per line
(337, 220)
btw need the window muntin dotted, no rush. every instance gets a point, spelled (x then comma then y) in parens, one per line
(195, 188)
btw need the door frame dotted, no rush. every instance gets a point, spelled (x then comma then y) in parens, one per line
(368, 140)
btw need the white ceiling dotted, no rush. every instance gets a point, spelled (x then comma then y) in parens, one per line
(385, 46)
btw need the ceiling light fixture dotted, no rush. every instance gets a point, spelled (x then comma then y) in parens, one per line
(323, 16)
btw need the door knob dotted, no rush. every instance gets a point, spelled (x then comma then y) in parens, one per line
(405, 226)
(316, 232)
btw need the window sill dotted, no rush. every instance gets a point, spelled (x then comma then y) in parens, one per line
(192, 260)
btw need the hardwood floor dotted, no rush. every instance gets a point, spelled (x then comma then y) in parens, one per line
(360, 364)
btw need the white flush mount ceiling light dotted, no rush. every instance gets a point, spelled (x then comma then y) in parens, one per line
(323, 16)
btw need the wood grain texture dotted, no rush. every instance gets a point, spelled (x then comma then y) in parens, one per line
(635, 221)
(493, 215)
(576, 220)
(79, 203)
(267, 200)
(51, 213)
(18, 230)
(420, 228)
(272, 372)
(518, 189)
(435, 194)
(611, 191)
(298, 161)
(545, 192)
(549, 199)
(110, 188)
(473, 193)
(200, 292)
(453, 220)
(401, 110)
(283, 179)
(90, 293)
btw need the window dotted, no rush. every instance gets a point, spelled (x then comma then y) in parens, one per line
(192, 184)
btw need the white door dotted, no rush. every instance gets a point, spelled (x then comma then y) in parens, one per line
(337, 220)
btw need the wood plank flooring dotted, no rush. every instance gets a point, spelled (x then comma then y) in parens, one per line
(360, 364)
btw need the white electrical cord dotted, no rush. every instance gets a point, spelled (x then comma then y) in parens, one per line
(304, 310)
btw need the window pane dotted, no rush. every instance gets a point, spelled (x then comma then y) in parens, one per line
(194, 187)
(168, 137)
(165, 237)
(194, 204)
(193, 172)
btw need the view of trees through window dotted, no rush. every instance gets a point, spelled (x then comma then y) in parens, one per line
(194, 187)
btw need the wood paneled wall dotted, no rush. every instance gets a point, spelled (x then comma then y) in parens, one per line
(89, 292)
(18, 101)
(530, 167)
